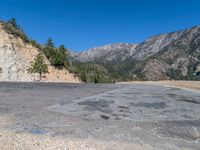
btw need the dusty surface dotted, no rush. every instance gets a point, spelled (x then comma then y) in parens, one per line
(102, 117)
(13, 141)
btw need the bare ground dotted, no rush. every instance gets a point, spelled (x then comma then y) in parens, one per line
(22, 141)
(10, 140)
(139, 116)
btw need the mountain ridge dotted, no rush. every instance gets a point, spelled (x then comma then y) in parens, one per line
(114, 50)
(170, 56)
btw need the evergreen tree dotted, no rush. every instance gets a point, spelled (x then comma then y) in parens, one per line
(39, 66)
(63, 50)
(13, 22)
(50, 43)
(65, 53)
(12, 27)
(57, 58)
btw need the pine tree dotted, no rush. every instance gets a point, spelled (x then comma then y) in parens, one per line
(13, 22)
(39, 66)
(50, 43)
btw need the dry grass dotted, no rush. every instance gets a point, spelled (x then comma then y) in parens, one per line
(192, 85)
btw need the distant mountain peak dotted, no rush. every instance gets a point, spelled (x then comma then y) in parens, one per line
(107, 53)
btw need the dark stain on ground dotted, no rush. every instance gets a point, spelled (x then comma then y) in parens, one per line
(183, 98)
(37, 131)
(190, 101)
(108, 96)
(116, 116)
(104, 117)
(179, 129)
(123, 107)
(155, 105)
(101, 105)
(172, 95)
(133, 93)
(186, 116)
(124, 110)
(158, 96)
(65, 102)
(174, 89)
(178, 110)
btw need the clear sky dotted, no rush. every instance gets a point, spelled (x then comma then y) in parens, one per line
(83, 24)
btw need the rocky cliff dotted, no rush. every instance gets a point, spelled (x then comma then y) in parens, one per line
(16, 57)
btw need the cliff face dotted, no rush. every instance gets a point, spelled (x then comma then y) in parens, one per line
(16, 57)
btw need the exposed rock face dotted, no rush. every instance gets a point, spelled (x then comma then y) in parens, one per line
(16, 57)
(175, 55)
(155, 69)
(180, 58)
(107, 53)
(154, 44)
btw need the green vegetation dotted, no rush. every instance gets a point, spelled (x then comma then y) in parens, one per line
(49, 43)
(39, 66)
(102, 72)
(11, 27)
(56, 56)
(107, 72)
(59, 58)
(124, 71)
(91, 72)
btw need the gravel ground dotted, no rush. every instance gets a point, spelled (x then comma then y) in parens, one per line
(100, 117)
(19, 141)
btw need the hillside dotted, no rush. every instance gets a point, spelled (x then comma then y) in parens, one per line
(170, 56)
(178, 59)
(16, 57)
(174, 55)
(107, 53)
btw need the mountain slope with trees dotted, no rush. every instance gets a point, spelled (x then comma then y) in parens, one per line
(174, 55)
(18, 52)
(171, 56)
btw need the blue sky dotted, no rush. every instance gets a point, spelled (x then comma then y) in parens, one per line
(83, 24)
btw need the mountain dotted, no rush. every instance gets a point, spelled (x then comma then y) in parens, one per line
(174, 55)
(16, 56)
(177, 60)
(107, 53)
